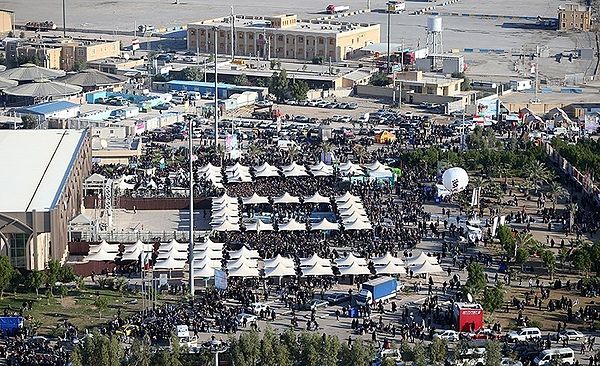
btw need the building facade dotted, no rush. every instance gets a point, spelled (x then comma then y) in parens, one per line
(63, 54)
(574, 17)
(282, 36)
(6, 20)
(43, 192)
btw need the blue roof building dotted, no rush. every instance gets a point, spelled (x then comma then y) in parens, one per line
(60, 109)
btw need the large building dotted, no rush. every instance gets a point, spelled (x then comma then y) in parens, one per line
(61, 53)
(574, 17)
(6, 20)
(282, 36)
(42, 189)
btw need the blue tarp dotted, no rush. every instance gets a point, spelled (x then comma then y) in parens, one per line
(9, 325)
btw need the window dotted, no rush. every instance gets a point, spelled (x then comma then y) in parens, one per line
(17, 253)
(331, 41)
(320, 40)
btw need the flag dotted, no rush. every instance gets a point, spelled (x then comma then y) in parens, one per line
(145, 262)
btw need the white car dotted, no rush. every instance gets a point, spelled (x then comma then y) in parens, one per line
(249, 318)
(449, 335)
(524, 334)
(510, 362)
(263, 103)
(256, 307)
(570, 335)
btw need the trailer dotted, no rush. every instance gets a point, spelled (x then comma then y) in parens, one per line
(335, 9)
(396, 6)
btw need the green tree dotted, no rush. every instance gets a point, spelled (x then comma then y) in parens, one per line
(289, 340)
(331, 350)
(29, 121)
(522, 256)
(460, 350)
(53, 275)
(493, 353)
(507, 240)
(35, 280)
(555, 190)
(116, 352)
(549, 260)
(310, 349)
(438, 352)
(76, 357)
(538, 174)
(299, 90)
(175, 351)
(388, 361)
(241, 79)
(419, 354)
(268, 346)
(192, 74)
(101, 305)
(475, 279)
(466, 85)
(79, 66)
(380, 79)
(279, 84)
(6, 274)
(140, 353)
(493, 298)
(250, 346)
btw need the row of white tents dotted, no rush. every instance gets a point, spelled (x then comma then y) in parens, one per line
(239, 173)
(208, 256)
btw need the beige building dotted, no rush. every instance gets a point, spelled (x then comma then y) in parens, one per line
(574, 17)
(6, 20)
(282, 36)
(433, 84)
(42, 192)
(60, 53)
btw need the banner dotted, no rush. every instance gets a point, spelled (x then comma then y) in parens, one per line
(220, 279)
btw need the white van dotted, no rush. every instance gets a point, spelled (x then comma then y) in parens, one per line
(524, 334)
(565, 356)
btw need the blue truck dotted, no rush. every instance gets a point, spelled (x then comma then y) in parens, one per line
(379, 289)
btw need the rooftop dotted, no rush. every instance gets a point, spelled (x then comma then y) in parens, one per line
(245, 22)
(48, 107)
(37, 178)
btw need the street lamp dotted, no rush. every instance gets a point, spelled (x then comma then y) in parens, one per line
(216, 346)
(389, 16)
(191, 243)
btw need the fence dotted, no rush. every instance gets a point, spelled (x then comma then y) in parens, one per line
(82, 246)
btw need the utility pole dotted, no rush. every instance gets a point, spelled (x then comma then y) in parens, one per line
(402, 55)
(389, 17)
(216, 91)
(191, 243)
(232, 35)
(537, 74)
(64, 9)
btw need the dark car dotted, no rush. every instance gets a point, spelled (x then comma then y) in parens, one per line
(337, 298)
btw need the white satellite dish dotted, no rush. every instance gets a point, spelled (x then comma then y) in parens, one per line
(104, 143)
(470, 297)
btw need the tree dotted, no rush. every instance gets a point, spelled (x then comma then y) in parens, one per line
(460, 350)
(159, 78)
(420, 359)
(476, 278)
(317, 60)
(35, 280)
(493, 298)
(250, 347)
(79, 66)
(278, 85)
(493, 353)
(29, 121)
(522, 256)
(101, 304)
(331, 349)
(380, 79)
(310, 349)
(360, 152)
(175, 351)
(6, 274)
(289, 340)
(52, 275)
(116, 353)
(507, 240)
(357, 355)
(299, 90)
(241, 80)
(268, 346)
(140, 353)
(549, 260)
(76, 357)
(192, 74)
(537, 174)
(293, 152)
(437, 352)
(555, 190)
(466, 85)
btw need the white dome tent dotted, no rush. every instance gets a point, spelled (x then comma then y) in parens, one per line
(255, 199)
(286, 198)
(325, 225)
(245, 253)
(279, 260)
(259, 225)
(354, 269)
(292, 225)
(351, 258)
(280, 271)
(317, 198)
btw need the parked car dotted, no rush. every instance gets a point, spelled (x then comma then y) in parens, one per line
(448, 335)
(524, 334)
(314, 304)
(263, 103)
(301, 119)
(162, 107)
(337, 298)
(248, 317)
(569, 335)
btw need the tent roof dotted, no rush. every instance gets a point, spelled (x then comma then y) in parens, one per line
(354, 269)
(7, 83)
(237, 167)
(225, 198)
(90, 78)
(316, 270)
(259, 225)
(244, 252)
(227, 226)
(351, 258)
(421, 258)
(254, 199)
(294, 170)
(173, 244)
(381, 172)
(244, 271)
(286, 198)
(325, 225)
(390, 269)
(31, 72)
(316, 198)
(314, 260)
(169, 263)
(386, 259)
(104, 247)
(100, 256)
(292, 225)
(427, 268)
(173, 253)
(347, 197)
(236, 263)
(269, 171)
(279, 271)
(358, 225)
(43, 89)
(355, 217)
(279, 260)
(81, 219)
(374, 165)
(208, 167)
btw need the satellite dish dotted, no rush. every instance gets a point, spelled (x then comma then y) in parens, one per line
(455, 179)
(470, 297)
(104, 143)
(126, 56)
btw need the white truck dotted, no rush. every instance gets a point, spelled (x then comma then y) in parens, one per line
(334, 9)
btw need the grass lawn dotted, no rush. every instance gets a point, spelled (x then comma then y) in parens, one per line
(77, 307)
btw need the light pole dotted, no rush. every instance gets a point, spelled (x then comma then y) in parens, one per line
(215, 346)
(191, 243)
(64, 9)
(389, 17)
(216, 91)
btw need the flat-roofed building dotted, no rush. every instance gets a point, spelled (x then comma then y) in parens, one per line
(282, 36)
(434, 84)
(6, 20)
(573, 16)
(42, 189)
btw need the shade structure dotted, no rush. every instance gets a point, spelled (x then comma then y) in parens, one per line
(237, 167)
(352, 211)
(216, 221)
(292, 225)
(104, 247)
(43, 89)
(173, 253)
(321, 169)
(390, 269)
(31, 72)
(316, 270)
(227, 226)
(420, 259)
(386, 259)
(241, 262)
(199, 263)
(350, 169)
(173, 244)
(325, 225)
(238, 177)
(101, 256)
(225, 198)
(204, 272)
(314, 260)
(374, 166)
(244, 271)
(208, 245)
(381, 172)
(169, 263)
(245, 253)
(7, 83)
(347, 197)
(349, 205)
(286, 198)
(92, 78)
(255, 199)
(279, 260)
(210, 254)
(294, 170)
(317, 198)
(350, 259)
(259, 225)
(208, 167)
(221, 208)
(358, 225)
(132, 255)
(227, 211)
(427, 268)
(354, 269)
(269, 172)
(280, 271)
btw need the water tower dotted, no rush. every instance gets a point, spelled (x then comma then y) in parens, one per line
(434, 35)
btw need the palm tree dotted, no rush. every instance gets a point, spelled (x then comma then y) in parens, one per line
(254, 151)
(524, 240)
(555, 190)
(537, 174)
(360, 152)
(293, 153)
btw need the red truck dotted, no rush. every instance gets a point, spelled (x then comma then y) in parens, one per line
(468, 317)
(334, 9)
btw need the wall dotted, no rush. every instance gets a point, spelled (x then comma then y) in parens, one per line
(373, 91)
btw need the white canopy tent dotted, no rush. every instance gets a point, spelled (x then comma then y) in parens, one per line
(316, 270)
(279, 271)
(325, 225)
(132, 255)
(292, 225)
(204, 272)
(350, 169)
(354, 269)
(169, 263)
(211, 254)
(104, 247)
(358, 225)
(347, 197)
(238, 177)
(201, 262)
(314, 260)
(173, 253)
(227, 226)
(420, 259)
(173, 244)
(350, 205)
(321, 170)
(138, 245)
(427, 268)
(208, 167)
(266, 170)
(245, 253)
(279, 260)
(237, 167)
(375, 166)
(255, 199)
(381, 172)
(244, 271)
(294, 170)
(242, 262)
(317, 198)
(100, 256)
(386, 259)
(259, 225)
(351, 258)
(286, 198)
(354, 210)
(208, 245)
(225, 199)
(389, 269)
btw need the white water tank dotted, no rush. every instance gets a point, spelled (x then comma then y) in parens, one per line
(434, 24)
